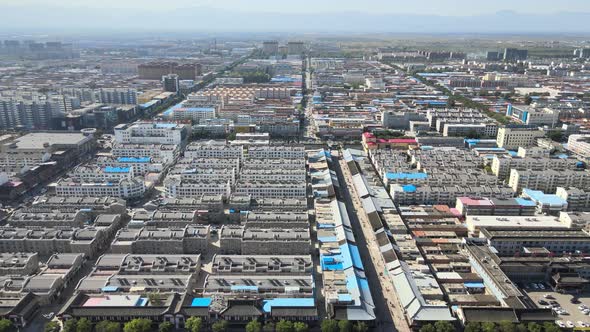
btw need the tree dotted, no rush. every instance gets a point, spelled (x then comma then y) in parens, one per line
(284, 326)
(254, 326)
(83, 325)
(106, 326)
(329, 325)
(5, 325)
(472, 327)
(444, 326)
(488, 327)
(219, 326)
(555, 135)
(300, 327)
(268, 327)
(534, 327)
(427, 328)
(165, 327)
(69, 326)
(138, 325)
(360, 327)
(51, 326)
(194, 324)
(344, 326)
(506, 326)
(521, 328)
(550, 327)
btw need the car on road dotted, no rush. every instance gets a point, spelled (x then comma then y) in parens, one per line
(560, 323)
(542, 302)
(569, 324)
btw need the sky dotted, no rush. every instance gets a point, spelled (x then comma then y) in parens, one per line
(430, 7)
(301, 16)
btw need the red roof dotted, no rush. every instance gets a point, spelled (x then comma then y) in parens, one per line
(397, 140)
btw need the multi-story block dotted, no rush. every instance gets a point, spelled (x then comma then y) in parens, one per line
(513, 137)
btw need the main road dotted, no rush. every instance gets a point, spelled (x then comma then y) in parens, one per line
(389, 314)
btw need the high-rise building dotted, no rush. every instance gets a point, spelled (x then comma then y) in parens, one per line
(295, 47)
(270, 47)
(156, 70)
(171, 83)
(512, 54)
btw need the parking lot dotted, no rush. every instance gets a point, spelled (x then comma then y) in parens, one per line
(573, 313)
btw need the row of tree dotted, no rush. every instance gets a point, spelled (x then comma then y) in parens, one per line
(492, 327)
(193, 324)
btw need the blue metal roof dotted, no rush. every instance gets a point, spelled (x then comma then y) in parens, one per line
(543, 198)
(111, 169)
(201, 302)
(474, 285)
(267, 305)
(134, 160)
(524, 202)
(108, 289)
(244, 288)
(406, 176)
(409, 188)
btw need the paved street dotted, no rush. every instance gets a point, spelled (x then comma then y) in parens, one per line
(389, 314)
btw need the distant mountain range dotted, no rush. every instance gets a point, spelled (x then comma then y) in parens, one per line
(36, 19)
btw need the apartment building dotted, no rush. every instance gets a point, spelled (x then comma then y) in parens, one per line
(262, 264)
(414, 195)
(510, 242)
(152, 133)
(271, 189)
(166, 152)
(547, 180)
(251, 241)
(481, 206)
(513, 137)
(47, 241)
(139, 165)
(149, 240)
(177, 187)
(212, 149)
(86, 173)
(92, 205)
(276, 152)
(533, 116)
(21, 263)
(30, 150)
(580, 145)
(577, 199)
(124, 188)
(501, 165)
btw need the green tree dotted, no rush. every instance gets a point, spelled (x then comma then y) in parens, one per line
(106, 326)
(268, 327)
(254, 326)
(344, 326)
(550, 327)
(165, 327)
(329, 325)
(521, 328)
(194, 324)
(472, 327)
(506, 326)
(444, 326)
(284, 326)
(555, 135)
(83, 325)
(300, 327)
(5, 325)
(138, 325)
(534, 327)
(51, 326)
(360, 327)
(219, 326)
(69, 326)
(488, 327)
(427, 328)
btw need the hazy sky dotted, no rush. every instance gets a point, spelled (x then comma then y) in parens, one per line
(440, 7)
